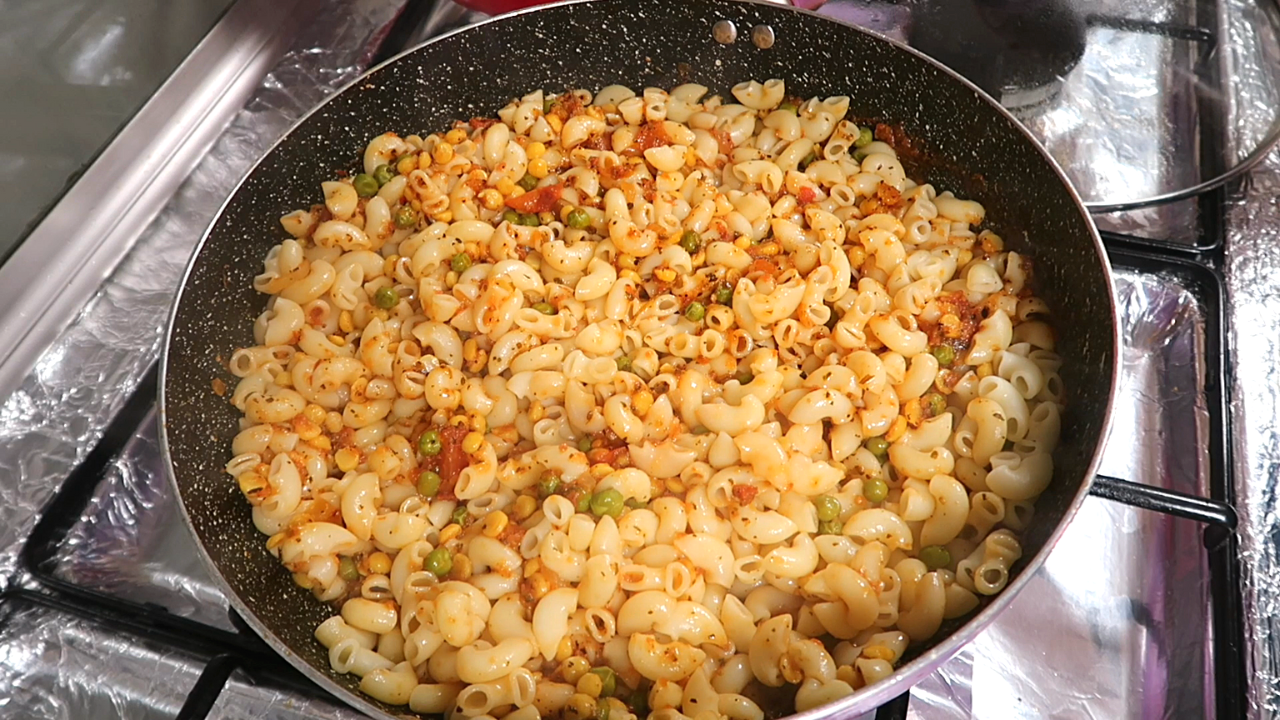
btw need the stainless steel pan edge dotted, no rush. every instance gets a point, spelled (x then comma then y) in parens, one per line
(911, 672)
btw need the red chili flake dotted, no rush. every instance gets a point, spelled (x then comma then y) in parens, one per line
(744, 494)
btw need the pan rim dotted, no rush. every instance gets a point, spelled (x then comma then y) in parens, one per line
(867, 698)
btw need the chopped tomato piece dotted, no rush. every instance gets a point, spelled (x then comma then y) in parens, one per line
(724, 140)
(451, 461)
(651, 135)
(762, 266)
(543, 199)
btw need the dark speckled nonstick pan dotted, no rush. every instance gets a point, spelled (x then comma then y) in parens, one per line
(962, 141)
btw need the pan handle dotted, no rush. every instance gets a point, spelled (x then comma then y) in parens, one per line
(1149, 497)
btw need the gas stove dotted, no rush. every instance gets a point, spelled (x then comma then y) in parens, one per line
(1148, 607)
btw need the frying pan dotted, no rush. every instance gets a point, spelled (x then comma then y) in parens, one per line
(959, 140)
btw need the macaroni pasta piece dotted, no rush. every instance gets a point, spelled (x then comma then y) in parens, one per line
(629, 405)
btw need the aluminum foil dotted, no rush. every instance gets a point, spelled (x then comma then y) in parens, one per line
(56, 666)
(131, 541)
(1252, 246)
(1252, 269)
(63, 406)
(243, 699)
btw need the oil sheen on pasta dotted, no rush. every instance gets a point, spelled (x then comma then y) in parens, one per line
(642, 405)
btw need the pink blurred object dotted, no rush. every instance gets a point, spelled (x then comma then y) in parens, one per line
(497, 7)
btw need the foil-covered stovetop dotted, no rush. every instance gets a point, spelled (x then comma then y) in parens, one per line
(1116, 625)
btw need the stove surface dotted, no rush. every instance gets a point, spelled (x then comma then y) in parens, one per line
(1127, 619)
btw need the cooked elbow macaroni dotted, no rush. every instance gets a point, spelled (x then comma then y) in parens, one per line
(642, 405)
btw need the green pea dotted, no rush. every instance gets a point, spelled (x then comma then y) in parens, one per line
(406, 217)
(383, 174)
(875, 490)
(386, 297)
(608, 679)
(635, 503)
(690, 241)
(638, 701)
(530, 219)
(865, 138)
(830, 527)
(528, 182)
(348, 570)
(607, 502)
(695, 311)
(460, 515)
(583, 505)
(460, 262)
(579, 219)
(624, 364)
(429, 443)
(439, 562)
(789, 107)
(545, 308)
(548, 486)
(584, 444)
(935, 557)
(828, 507)
(860, 154)
(878, 446)
(511, 216)
(365, 185)
(428, 483)
(724, 295)
(945, 354)
(745, 377)
(937, 404)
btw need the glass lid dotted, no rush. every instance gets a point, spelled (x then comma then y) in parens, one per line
(1128, 95)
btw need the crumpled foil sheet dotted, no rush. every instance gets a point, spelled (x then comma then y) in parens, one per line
(132, 543)
(242, 699)
(56, 666)
(1253, 266)
(62, 407)
(1252, 248)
